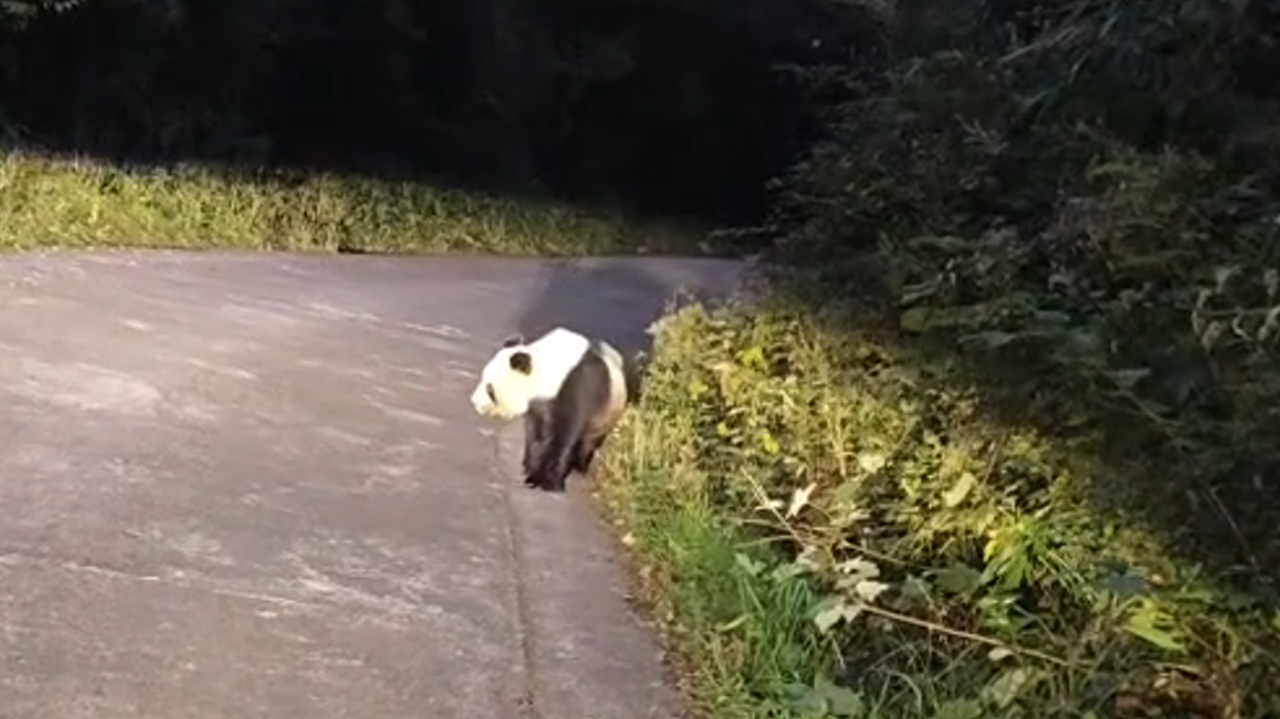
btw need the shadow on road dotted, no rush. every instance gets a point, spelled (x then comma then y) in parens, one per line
(616, 299)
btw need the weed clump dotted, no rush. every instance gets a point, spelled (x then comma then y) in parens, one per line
(48, 202)
(828, 501)
(1010, 413)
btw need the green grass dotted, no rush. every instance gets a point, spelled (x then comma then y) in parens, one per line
(829, 526)
(744, 637)
(57, 203)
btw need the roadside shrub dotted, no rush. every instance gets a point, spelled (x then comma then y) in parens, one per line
(953, 564)
(1104, 279)
(1012, 408)
(50, 202)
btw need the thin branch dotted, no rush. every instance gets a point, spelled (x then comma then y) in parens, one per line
(906, 618)
(958, 633)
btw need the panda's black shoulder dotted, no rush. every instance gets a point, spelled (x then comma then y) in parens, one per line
(588, 375)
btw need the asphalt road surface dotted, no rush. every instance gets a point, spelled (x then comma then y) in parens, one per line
(247, 485)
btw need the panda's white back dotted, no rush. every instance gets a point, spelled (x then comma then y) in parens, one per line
(555, 354)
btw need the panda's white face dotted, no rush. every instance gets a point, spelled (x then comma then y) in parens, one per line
(506, 384)
(519, 373)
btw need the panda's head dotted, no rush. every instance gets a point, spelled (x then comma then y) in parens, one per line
(507, 383)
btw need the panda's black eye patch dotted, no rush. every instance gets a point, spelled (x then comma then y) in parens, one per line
(522, 362)
(488, 388)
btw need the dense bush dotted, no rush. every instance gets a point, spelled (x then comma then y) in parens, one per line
(1115, 275)
(652, 105)
(1015, 405)
(949, 563)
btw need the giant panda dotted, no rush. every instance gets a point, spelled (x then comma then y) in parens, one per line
(571, 391)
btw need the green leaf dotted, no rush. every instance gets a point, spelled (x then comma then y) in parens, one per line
(872, 462)
(869, 590)
(804, 700)
(958, 579)
(991, 340)
(1127, 379)
(1124, 586)
(749, 565)
(753, 357)
(768, 442)
(827, 618)
(786, 571)
(914, 589)
(1212, 333)
(1080, 343)
(1237, 601)
(732, 624)
(959, 709)
(1051, 317)
(840, 701)
(847, 493)
(859, 568)
(1153, 624)
(960, 490)
(832, 610)
(1222, 275)
(1005, 689)
(945, 243)
(914, 320)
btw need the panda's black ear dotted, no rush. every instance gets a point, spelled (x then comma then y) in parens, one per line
(512, 341)
(522, 362)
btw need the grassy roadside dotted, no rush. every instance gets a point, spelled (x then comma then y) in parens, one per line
(843, 531)
(58, 203)
(1006, 434)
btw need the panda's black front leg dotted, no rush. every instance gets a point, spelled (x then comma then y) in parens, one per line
(547, 466)
(565, 434)
(550, 459)
(536, 424)
(556, 463)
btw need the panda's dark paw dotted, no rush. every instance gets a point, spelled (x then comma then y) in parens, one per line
(543, 485)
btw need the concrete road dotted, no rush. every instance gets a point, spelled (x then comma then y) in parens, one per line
(243, 485)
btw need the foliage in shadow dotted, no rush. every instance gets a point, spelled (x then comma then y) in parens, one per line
(1015, 406)
(658, 106)
(1107, 273)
